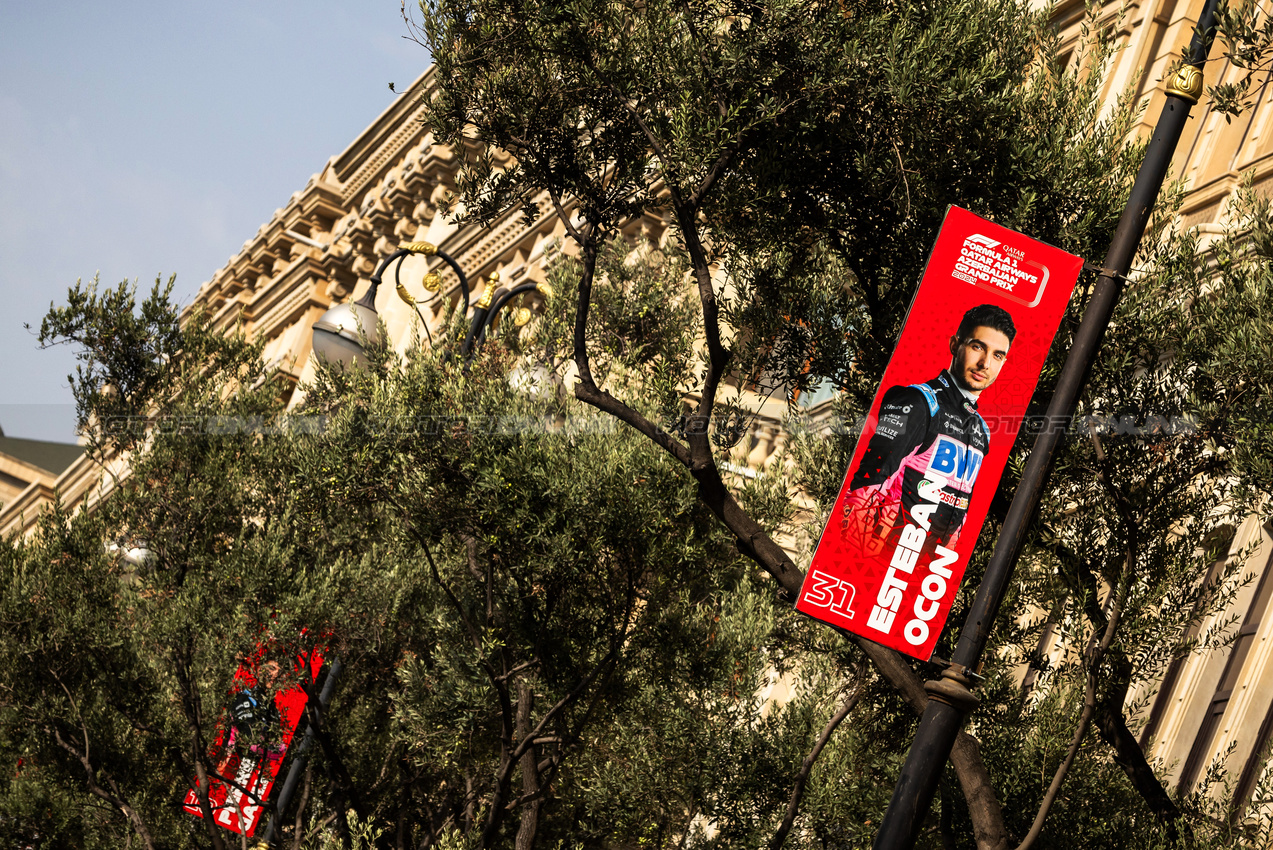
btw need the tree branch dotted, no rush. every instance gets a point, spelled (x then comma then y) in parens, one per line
(499, 683)
(510, 761)
(531, 789)
(717, 355)
(583, 304)
(1108, 710)
(1095, 655)
(797, 790)
(988, 827)
(589, 393)
(713, 175)
(114, 799)
(193, 710)
(338, 772)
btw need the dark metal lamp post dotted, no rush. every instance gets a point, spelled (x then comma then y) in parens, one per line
(949, 698)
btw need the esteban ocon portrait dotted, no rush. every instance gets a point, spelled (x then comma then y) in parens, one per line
(930, 441)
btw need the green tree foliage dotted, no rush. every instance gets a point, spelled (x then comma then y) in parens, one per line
(534, 650)
(547, 639)
(114, 669)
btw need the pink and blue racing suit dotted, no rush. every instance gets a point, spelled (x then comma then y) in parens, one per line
(928, 447)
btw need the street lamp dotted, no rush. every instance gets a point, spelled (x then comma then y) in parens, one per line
(503, 299)
(342, 333)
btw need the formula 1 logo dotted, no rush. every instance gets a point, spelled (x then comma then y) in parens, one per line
(979, 239)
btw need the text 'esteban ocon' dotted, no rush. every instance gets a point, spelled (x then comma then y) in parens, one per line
(909, 545)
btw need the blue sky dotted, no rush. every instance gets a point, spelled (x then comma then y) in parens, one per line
(140, 139)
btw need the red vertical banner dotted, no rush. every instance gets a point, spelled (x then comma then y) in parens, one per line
(938, 434)
(253, 739)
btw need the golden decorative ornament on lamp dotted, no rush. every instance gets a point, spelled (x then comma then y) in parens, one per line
(426, 248)
(544, 290)
(432, 281)
(1186, 83)
(521, 317)
(488, 291)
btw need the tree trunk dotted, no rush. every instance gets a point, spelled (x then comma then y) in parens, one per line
(529, 825)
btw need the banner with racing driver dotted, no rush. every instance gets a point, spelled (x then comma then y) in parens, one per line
(937, 436)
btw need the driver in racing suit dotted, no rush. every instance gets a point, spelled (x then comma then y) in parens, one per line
(930, 441)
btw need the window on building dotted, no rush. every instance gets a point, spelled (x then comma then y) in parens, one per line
(1203, 743)
(822, 391)
(1255, 760)
(1220, 542)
